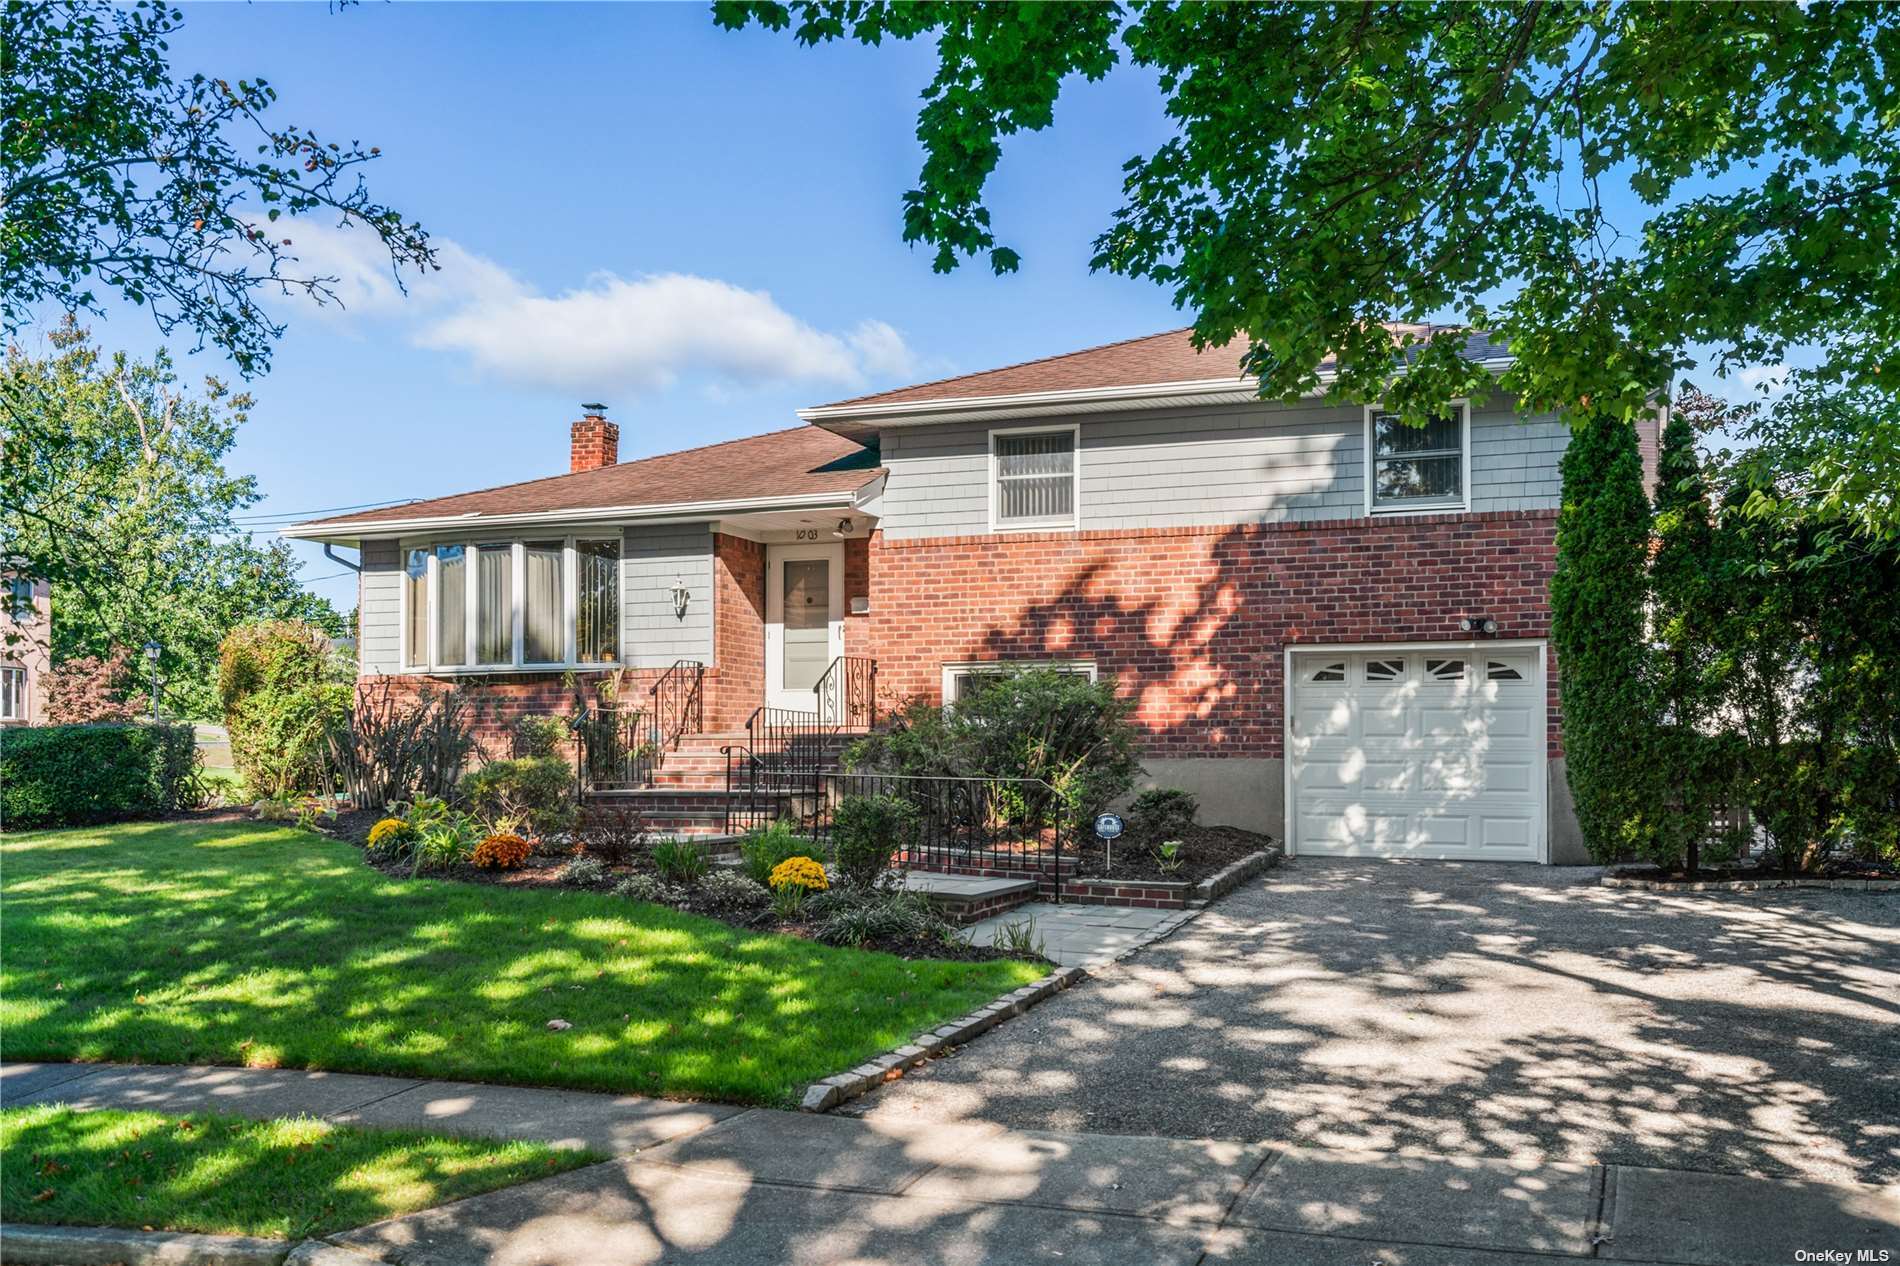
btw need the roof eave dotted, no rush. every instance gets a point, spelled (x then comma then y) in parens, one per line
(856, 420)
(680, 511)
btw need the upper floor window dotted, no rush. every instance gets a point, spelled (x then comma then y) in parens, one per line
(19, 598)
(511, 604)
(1417, 467)
(1033, 478)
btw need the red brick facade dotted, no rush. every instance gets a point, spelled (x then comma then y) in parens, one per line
(738, 631)
(1193, 622)
(498, 700)
(593, 442)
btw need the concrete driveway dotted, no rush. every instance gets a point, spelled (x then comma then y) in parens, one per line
(1469, 1010)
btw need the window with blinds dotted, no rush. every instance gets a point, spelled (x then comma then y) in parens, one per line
(1035, 478)
(1418, 467)
(511, 604)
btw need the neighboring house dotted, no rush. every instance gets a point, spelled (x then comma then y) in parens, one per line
(1335, 628)
(26, 639)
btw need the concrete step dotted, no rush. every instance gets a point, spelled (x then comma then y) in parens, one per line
(964, 900)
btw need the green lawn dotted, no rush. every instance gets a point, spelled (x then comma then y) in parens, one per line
(176, 943)
(289, 1179)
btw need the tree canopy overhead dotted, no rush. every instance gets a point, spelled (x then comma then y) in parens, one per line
(177, 193)
(1339, 167)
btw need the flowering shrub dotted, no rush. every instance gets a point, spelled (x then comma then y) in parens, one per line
(502, 851)
(799, 872)
(388, 831)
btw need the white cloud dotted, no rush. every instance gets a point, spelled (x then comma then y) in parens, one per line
(1768, 380)
(611, 334)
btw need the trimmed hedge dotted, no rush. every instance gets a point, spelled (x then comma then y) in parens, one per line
(69, 775)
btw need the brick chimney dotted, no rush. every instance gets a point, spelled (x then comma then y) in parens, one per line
(594, 441)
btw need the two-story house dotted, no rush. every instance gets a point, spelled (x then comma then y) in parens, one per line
(26, 638)
(1335, 628)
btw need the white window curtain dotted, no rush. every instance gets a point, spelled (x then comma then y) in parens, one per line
(451, 605)
(1035, 477)
(495, 605)
(415, 584)
(543, 642)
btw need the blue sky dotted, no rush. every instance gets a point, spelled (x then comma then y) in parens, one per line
(700, 227)
(550, 146)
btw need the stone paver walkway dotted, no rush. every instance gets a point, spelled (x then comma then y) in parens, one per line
(1075, 935)
(714, 1184)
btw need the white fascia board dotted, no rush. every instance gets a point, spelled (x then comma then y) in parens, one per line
(1037, 403)
(676, 512)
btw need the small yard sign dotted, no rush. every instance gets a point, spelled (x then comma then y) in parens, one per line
(1108, 826)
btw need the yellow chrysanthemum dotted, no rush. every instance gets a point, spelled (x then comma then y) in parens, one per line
(799, 872)
(386, 830)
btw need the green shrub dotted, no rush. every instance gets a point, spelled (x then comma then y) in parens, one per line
(862, 916)
(584, 872)
(390, 749)
(542, 736)
(650, 888)
(763, 848)
(1170, 856)
(1163, 813)
(866, 831)
(279, 687)
(1059, 728)
(681, 861)
(729, 890)
(538, 790)
(67, 775)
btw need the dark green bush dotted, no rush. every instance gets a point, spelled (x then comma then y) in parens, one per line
(1037, 723)
(1163, 813)
(683, 862)
(535, 791)
(866, 831)
(542, 736)
(864, 916)
(66, 775)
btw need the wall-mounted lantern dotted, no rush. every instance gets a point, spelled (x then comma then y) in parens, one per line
(681, 596)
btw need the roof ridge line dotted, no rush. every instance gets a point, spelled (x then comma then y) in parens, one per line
(1021, 364)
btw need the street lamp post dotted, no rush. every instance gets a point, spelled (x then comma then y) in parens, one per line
(151, 654)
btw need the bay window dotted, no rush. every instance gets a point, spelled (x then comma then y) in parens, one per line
(511, 604)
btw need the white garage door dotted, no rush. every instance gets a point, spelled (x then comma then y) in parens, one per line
(1417, 753)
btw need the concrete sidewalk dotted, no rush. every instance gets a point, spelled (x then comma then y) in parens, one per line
(717, 1184)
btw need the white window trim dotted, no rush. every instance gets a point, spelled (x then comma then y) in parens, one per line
(1461, 506)
(1081, 667)
(1074, 518)
(518, 555)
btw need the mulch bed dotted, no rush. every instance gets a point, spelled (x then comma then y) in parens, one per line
(1208, 850)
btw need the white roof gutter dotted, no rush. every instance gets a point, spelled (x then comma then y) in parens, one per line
(677, 511)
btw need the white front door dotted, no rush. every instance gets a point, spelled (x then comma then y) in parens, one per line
(1417, 752)
(804, 620)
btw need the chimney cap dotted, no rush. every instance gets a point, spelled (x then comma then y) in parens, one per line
(594, 410)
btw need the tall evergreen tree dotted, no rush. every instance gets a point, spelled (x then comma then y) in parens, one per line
(1597, 629)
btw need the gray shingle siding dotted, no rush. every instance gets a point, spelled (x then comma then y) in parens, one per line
(1261, 463)
(379, 608)
(651, 560)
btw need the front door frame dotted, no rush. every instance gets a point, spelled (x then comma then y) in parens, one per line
(776, 695)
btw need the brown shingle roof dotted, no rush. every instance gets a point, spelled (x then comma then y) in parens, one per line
(803, 459)
(1168, 357)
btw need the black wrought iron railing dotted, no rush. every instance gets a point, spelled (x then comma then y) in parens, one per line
(972, 826)
(679, 703)
(846, 696)
(618, 750)
(755, 795)
(788, 745)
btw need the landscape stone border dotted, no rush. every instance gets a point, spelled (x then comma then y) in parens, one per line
(1224, 881)
(1637, 877)
(29, 1244)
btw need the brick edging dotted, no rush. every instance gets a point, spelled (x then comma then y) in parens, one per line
(1224, 881)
